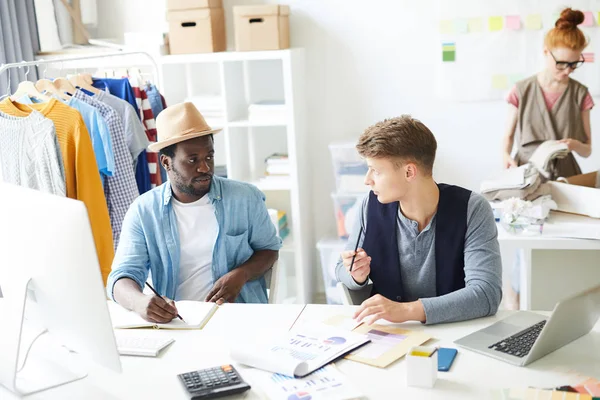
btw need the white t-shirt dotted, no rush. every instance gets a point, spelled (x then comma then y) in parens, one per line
(198, 230)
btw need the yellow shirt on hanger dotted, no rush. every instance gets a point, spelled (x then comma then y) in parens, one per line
(81, 171)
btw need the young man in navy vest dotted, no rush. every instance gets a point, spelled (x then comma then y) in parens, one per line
(431, 250)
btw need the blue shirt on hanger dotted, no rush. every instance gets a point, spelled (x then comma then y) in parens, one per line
(118, 87)
(98, 130)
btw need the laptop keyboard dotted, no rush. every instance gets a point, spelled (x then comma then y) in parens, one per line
(520, 343)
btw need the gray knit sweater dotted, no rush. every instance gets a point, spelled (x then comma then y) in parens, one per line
(29, 153)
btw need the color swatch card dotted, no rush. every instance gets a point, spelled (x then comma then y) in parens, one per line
(449, 52)
(387, 343)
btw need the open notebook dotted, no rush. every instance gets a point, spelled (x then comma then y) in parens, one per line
(195, 313)
(300, 352)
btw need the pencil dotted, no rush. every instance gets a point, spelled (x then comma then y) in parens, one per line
(156, 293)
(356, 248)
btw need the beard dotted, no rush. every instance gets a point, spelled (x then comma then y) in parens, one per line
(188, 189)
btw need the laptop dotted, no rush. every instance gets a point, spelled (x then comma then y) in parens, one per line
(525, 336)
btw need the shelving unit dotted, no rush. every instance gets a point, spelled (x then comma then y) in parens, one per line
(237, 80)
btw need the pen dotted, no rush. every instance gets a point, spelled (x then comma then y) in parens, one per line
(156, 293)
(356, 248)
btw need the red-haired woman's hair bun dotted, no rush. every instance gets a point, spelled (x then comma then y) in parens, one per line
(566, 33)
(569, 19)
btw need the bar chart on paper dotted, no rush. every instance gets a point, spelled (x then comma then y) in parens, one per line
(324, 383)
(307, 348)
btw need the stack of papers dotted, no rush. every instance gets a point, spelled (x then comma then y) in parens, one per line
(270, 112)
(211, 107)
(300, 352)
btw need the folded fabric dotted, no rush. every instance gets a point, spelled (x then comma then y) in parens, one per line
(496, 191)
(545, 153)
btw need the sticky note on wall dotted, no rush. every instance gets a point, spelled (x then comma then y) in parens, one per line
(500, 81)
(514, 78)
(446, 26)
(588, 57)
(588, 19)
(495, 23)
(449, 52)
(475, 24)
(460, 25)
(533, 22)
(513, 22)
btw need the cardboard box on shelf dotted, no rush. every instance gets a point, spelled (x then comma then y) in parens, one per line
(261, 27)
(173, 5)
(200, 30)
(581, 195)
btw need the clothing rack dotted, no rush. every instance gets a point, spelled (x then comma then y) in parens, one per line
(37, 63)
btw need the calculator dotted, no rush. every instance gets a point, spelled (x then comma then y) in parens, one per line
(214, 382)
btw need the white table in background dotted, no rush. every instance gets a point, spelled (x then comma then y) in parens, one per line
(471, 377)
(555, 268)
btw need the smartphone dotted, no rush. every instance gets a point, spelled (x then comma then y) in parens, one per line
(445, 358)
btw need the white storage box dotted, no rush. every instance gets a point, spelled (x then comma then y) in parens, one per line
(330, 250)
(349, 168)
(346, 208)
(580, 196)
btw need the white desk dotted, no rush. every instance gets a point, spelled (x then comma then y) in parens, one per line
(471, 376)
(555, 268)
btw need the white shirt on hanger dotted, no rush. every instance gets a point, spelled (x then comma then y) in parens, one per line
(198, 230)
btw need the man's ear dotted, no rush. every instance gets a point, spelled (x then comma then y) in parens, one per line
(165, 162)
(410, 171)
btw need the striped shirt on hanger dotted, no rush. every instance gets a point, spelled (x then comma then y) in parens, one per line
(120, 189)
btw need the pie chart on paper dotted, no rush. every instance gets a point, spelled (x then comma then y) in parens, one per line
(300, 396)
(334, 340)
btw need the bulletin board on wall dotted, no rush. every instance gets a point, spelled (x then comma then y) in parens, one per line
(487, 46)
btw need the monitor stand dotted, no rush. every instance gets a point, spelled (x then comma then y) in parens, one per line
(25, 373)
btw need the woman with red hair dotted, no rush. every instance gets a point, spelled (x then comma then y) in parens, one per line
(550, 105)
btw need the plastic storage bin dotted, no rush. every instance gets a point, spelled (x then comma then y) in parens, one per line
(329, 250)
(346, 207)
(349, 168)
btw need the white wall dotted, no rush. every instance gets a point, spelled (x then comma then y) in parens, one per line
(368, 60)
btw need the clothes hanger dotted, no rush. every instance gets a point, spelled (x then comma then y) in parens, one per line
(27, 88)
(64, 88)
(54, 87)
(84, 81)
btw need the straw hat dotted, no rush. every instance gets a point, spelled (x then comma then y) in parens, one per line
(180, 122)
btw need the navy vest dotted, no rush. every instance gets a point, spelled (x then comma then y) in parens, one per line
(381, 243)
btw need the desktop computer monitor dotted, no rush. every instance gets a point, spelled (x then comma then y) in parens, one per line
(49, 270)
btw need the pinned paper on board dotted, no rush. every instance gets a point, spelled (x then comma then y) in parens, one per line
(533, 22)
(446, 26)
(460, 25)
(495, 23)
(588, 19)
(513, 22)
(514, 78)
(475, 25)
(449, 52)
(500, 81)
(588, 57)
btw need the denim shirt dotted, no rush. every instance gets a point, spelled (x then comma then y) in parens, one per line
(150, 238)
